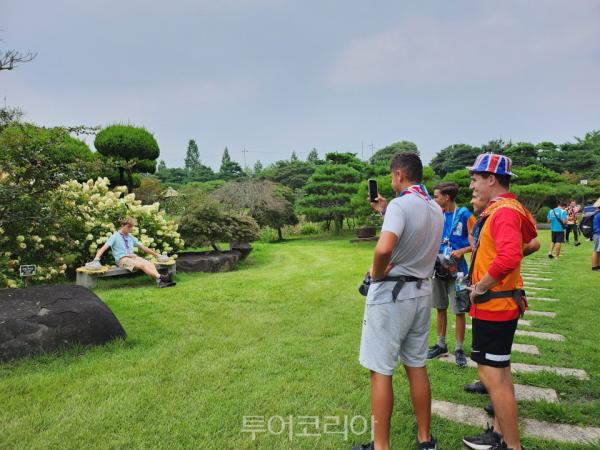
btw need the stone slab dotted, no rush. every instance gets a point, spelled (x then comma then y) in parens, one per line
(524, 322)
(526, 348)
(542, 299)
(562, 371)
(535, 334)
(538, 288)
(531, 312)
(529, 427)
(528, 368)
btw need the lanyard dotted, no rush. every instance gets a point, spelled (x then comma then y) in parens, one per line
(126, 242)
(418, 189)
(446, 239)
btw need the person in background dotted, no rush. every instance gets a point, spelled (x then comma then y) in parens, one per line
(596, 251)
(572, 213)
(121, 244)
(398, 306)
(558, 221)
(455, 243)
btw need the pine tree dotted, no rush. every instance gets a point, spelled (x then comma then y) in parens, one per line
(313, 157)
(229, 169)
(294, 157)
(192, 157)
(258, 168)
(161, 166)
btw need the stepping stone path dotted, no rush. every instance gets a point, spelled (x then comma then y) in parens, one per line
(534, 272)
(529, 427)
(531, 312)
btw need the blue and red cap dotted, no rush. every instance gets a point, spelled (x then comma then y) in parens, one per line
(493, 163)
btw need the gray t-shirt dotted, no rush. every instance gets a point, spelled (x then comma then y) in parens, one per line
(418, 224)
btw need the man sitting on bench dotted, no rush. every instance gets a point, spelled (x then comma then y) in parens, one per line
(121, 244)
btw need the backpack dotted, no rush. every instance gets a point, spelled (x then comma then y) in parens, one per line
(586, 225)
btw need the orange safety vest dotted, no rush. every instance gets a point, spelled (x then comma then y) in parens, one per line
(504, 308)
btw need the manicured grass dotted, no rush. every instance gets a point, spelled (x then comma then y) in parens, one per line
(277, 337)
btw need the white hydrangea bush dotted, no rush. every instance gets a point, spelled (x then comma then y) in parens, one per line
(89, 213)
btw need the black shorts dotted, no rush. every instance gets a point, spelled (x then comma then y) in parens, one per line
(558, 237)
(492, 342)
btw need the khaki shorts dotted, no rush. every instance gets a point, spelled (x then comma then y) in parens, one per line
(443, 294)
(395, 332)
(129, 262)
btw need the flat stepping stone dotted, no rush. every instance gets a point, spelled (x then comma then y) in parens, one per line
(522, 322)
(541, 335)
(531, 312)
(535, 334)
(529, 427)
(543, 299)
(528, 368)
(562, 371)
(537, 288)
(526, 348)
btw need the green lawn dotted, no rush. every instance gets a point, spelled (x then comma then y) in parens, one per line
(277, 337)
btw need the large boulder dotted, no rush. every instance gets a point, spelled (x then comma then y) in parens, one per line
(46, 318)
(207, 261)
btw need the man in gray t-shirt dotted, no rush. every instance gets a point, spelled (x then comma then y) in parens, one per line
(396, 323)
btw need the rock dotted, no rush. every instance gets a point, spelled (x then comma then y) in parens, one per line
(207, 261)
(243, 247)
(46, 318)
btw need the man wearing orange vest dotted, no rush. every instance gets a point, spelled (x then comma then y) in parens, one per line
(503, 234)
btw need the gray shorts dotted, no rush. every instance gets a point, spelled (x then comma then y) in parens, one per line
(597, 242)
(395, 331)
(443, 294)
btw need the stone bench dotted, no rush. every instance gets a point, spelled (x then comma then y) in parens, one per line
(89, 280)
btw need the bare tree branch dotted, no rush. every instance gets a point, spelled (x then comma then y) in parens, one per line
(9, 59)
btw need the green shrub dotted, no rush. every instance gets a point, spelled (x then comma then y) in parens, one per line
(541, 216)
(309, 228)
(268, 234)
(208, 223)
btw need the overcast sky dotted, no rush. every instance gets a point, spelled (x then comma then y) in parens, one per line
(275, 76)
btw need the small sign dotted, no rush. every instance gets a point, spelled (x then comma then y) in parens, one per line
(27, 271)
(584, 182)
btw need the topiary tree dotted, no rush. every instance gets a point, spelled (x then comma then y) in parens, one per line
(328, 194)
(133, 149)
(384, 155)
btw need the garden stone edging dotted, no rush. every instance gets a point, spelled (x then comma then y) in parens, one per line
(43, 319)
(207, 261)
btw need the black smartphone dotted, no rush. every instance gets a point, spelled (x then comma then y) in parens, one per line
(373, 193)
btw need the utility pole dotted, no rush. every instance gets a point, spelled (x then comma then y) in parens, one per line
(362, 150)
(371, 148)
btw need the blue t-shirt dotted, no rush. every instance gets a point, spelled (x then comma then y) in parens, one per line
(456, 233)
(596, 223)
(556, 224)
(122, 245)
